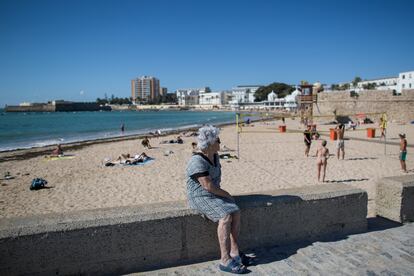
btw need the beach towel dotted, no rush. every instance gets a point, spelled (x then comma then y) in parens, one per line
(54, 158)
(148, 161)
(108, 163)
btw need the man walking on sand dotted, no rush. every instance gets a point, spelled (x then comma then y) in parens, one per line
(340, 143)
(403, 152)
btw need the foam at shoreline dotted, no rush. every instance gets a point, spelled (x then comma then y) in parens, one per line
(42, 130)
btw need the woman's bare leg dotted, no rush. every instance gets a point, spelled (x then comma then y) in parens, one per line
(319, 170)
(223, 233)
(234, 237)
(324, 171)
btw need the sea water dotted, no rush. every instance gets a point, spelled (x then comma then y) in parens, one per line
(27, 130)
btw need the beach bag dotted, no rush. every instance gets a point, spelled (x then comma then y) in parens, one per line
(38, 183)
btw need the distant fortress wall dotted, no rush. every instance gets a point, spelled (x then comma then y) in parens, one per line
(398, 108)
(30, 108)
(77, 107)
(58, 107)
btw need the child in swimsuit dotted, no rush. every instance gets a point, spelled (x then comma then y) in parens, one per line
(322, 155)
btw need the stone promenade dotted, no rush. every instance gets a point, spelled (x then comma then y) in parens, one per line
(386, 249)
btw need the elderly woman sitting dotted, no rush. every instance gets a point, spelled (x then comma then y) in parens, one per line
(205, 195)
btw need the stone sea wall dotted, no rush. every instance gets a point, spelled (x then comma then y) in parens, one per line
(138, 238)
(398, 108)
(58, 107)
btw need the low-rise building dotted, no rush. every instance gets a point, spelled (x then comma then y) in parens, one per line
(389, 83)
(244, 94)
(272, 103)
(405, 81)
(187, 96)
(190, 96)
(211, 98)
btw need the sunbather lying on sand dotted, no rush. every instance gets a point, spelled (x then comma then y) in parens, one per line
(227, 156)
(128, 160)
(173, 141)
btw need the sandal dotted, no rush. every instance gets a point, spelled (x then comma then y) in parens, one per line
(244, 259)
(233, 267)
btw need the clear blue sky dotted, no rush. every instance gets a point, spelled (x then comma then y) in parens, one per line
(80, 50)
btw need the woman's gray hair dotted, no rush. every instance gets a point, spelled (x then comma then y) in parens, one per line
(207, 135)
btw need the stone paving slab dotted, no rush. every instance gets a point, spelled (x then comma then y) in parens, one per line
(384, 250)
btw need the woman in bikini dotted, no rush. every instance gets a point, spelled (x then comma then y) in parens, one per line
(322, 155)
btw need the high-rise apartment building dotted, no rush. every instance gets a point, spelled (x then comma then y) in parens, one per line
(145, 89)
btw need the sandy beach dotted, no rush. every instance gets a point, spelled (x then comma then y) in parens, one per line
(268, 160)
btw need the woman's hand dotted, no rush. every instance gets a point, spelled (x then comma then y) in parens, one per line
(208, 185)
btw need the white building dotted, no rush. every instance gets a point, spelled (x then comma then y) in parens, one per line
(211, 98)
(271, 97)
(244, 94)
(381, 84)
(291, 101)
(188, 96)
(405, 81)
(200, 96)
(273, 102)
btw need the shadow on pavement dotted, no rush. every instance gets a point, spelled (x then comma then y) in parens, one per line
(380, 223)
(278, 253)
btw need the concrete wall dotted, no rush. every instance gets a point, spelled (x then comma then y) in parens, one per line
(395, 198)
(128, 239)
(398, 108)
